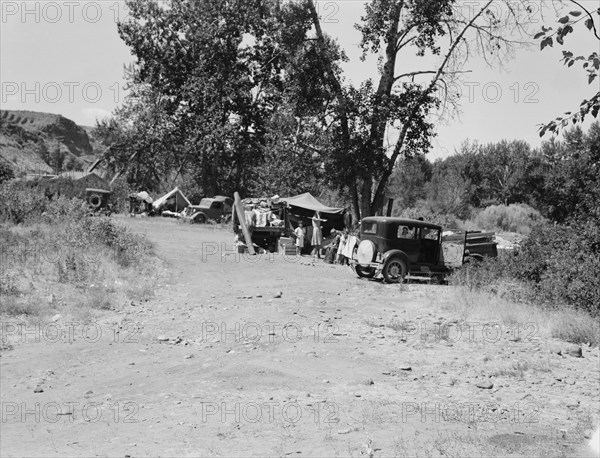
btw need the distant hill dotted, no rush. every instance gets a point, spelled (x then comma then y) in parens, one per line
(31, 141)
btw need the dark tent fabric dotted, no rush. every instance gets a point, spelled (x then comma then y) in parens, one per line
(308, 202)
(304, 206)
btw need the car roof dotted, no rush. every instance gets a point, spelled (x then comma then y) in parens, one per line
(396, 220)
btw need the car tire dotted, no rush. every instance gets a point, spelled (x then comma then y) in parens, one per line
(365, 272)
(95, 201)
(200, 219)
(394, 269)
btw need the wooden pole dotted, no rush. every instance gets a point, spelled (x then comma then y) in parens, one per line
(242, 217)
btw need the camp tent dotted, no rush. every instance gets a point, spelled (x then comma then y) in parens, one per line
(304, 207)
(174, 198)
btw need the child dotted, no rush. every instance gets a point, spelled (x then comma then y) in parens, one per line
(341, 259)
(300, 233)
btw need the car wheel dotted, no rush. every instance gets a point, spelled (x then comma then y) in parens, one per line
(95, 200)
(365, 272)
(200, 219)
(394, 269)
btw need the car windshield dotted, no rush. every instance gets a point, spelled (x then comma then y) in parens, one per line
(206, 202)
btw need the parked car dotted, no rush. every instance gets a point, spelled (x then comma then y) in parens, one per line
(397, 247)
(217, 208)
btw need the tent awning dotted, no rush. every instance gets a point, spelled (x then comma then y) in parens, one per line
(309, 202)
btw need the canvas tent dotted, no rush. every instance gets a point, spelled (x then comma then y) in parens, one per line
(173, 198)
(304, 206)
(306, 201)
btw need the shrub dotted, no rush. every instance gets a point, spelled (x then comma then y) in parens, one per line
(62, 208)
(512, 218)
(444, 220)
(559, 266)
(6, 172)
(126, 247)
(19, 202)
(119, 199)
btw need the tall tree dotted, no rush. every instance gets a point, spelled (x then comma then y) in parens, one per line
(399, 103)
(220, 70)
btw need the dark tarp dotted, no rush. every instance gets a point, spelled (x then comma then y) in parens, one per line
(304, 207)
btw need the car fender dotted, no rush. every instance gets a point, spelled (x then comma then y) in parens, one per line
(388, 254)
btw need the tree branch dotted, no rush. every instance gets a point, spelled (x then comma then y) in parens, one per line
(590, 16)
(430, 71)
(403, 133)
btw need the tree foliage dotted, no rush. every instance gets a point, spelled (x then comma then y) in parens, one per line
(590, 63)
(560, 178)
(210, 79)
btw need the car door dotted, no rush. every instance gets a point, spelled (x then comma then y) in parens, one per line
(428, 251)
(216, 210)
(407, 240)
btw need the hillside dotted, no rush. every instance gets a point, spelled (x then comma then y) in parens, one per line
(29, 141)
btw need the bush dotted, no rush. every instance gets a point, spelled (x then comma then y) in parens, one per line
(19, 202)
(444, 220)
(127, 248)
(512, 218)
(62, 208)
(558, 265)
(119, 199)
(564, 264)
(6, 172)
(81, 259)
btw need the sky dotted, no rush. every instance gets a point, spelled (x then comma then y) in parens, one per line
(66, 57)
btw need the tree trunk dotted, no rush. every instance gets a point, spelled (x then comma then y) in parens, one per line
(365, 197)
(379, 193)
(379, 122)
(355, 203)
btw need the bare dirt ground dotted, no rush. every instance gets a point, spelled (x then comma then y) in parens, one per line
(278, 356)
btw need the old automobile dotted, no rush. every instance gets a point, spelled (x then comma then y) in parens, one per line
(398, 247)
(217, 208)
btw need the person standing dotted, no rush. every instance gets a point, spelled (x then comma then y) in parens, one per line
(341, 259)
(317, 235)
(300, 233)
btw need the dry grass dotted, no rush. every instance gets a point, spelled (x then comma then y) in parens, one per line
(39, 278)
(532, 321)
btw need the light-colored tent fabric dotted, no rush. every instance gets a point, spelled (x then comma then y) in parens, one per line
(181, 201)
(307, 201)
(144, 196)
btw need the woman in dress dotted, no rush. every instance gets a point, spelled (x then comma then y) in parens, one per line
(317, 235)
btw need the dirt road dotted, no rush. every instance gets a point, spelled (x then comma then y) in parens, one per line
(274, 356)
